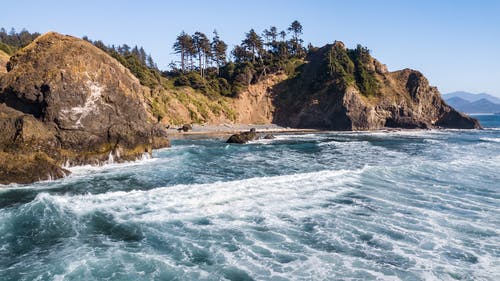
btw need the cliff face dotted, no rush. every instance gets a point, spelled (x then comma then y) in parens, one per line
(68, 101)
(4, 58)
(344, 89)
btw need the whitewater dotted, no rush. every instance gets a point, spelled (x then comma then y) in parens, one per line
(384, 205)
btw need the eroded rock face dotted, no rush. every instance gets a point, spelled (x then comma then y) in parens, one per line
(328, 95)
(4, 58)
(88, 103)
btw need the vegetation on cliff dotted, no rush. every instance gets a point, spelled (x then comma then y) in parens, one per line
(118, 94)
(209, 81)
(12, 41)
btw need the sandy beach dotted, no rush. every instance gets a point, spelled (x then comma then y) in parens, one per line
(224, 130)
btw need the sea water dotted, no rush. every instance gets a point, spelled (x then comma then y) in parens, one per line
(396, 205)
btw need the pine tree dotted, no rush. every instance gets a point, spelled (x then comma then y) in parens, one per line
(296, 42)
(202, 46)
(183, 45)
(253, 43)
(219, 49)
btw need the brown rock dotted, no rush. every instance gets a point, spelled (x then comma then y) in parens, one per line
(329, 93)
(85, 105)
(4, 58)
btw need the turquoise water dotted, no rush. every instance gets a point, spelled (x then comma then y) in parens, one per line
(407, 205)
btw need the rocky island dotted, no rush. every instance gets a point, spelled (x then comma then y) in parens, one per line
(65, 101)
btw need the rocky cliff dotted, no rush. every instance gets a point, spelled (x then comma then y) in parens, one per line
(4, 58)
(65, 101)
(345, 89)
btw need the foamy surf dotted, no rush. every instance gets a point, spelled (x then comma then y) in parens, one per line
(419, 205)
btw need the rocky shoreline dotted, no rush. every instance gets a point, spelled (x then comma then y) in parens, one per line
(63, 101)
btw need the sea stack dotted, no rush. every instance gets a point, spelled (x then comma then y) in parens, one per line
(64, 101)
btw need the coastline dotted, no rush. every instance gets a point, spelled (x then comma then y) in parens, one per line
(207, 131)
(225, 130)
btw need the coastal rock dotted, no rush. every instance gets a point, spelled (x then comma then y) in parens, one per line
(243, 137)
(341, 89)
(269, 137)
(186, 127)
(4, 58)
(74, 103)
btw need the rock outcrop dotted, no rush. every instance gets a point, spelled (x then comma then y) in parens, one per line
(343, 89)
(4, 58)
(243, 137)
(65, 101)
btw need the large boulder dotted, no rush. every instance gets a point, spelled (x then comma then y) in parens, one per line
(343, 89)
(89, 105)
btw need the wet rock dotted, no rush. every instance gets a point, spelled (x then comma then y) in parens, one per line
(243, 137)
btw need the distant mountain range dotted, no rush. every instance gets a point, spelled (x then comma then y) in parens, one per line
(473, 103)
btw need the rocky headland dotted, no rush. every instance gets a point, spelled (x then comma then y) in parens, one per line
(65, 102)
(343, 89)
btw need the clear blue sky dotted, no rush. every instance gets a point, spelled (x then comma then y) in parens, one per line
(455, 43)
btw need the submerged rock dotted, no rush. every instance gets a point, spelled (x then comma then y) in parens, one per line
(70, 102)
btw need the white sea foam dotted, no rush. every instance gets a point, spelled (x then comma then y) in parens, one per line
(490, 139)
(110, 164)
(215, 198)
(416, 211)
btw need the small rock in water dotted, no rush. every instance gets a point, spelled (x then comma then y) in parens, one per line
(243, 137)
(269, 137)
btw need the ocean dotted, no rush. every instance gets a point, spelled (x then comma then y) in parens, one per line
(396, 205)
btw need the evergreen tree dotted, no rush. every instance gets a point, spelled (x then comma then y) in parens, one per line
(240, 54)
(296, 42)
(184, 46)
(253, 44)
(202, 46)
(219, 49)
(271, 36)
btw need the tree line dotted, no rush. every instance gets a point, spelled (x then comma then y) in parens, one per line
(257, 55)
(198, 46)
(135, 59)
(270, 45)
(12, 41)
